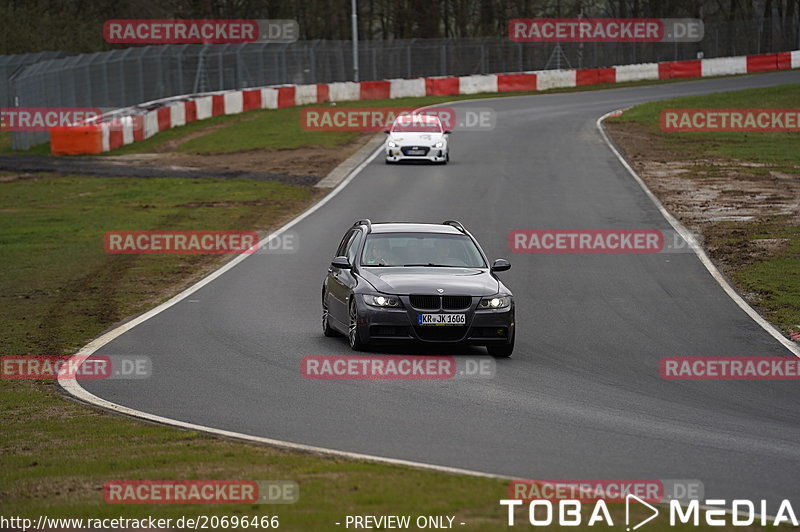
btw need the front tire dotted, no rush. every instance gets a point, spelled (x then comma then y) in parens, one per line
(353, 337)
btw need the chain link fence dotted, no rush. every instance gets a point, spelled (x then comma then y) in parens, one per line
(132, 76)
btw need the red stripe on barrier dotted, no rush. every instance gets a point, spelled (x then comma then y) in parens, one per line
(164, 118)
(441, 86)
(251, 100)
(594, 76)
(217, 104)
(323, 93)
(375, 90)
(784, 60)
(680, 69)
(516, 82)
(114, 136)
(762, 63)
(190, 108)
(286, 97)
(138, 128)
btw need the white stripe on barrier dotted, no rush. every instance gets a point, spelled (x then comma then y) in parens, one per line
(643, 71)
(305, 94)
(406, 88)
(344, 91)
(554, 79)
(177, 114)
(796, 59)
(127, 130)
(269, 99)
(106, 136)
(723, 66)
(234, 102)
(150, 123)
(477, 84)
(204, 107)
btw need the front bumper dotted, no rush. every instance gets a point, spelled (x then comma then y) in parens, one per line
(389, 326)
(401, 153)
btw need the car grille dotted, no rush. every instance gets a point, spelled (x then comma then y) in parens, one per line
(456, 302)
(406, 149)
(425, 302)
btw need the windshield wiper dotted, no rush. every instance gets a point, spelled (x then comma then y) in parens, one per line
(380, 265)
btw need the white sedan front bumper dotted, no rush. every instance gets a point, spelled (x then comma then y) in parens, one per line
(416, 153)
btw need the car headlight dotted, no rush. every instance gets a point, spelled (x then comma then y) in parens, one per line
(495, 302)
(392, 144)
(382, 301)
(439, 144)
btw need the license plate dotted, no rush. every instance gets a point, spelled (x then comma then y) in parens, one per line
(441, 319)
(416, 152)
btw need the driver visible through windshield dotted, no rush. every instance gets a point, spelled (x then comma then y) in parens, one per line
(414, 249)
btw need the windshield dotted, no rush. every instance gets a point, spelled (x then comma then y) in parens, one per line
(417, 124)
(421, 249)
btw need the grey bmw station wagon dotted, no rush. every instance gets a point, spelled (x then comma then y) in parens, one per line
(406, 282)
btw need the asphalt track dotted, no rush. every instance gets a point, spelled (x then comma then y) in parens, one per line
(582, 396)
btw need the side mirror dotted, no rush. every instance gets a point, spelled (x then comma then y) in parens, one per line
(501, 265)
(448, 132)
(386, 131)
(341, 262)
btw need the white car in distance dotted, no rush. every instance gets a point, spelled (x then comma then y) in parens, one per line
(417, 137)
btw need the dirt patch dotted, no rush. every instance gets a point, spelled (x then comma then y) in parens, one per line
(310, 160)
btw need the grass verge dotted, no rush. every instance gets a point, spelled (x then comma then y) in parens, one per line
(753, 177)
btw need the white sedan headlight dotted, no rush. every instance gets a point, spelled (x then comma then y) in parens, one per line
(439, 144)
(494, 302)
(392, 144)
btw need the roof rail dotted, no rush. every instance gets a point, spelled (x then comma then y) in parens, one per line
(456, 224)
(365, 221)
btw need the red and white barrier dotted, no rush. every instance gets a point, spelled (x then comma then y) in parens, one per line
(344, 92)
(477, 84)
(555, 79)
(234, 102)
(642, 72)
(724, 66)
(137, 123)
(406, 88)
(305, 94)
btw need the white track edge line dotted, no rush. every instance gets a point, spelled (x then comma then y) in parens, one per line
(699, 251)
